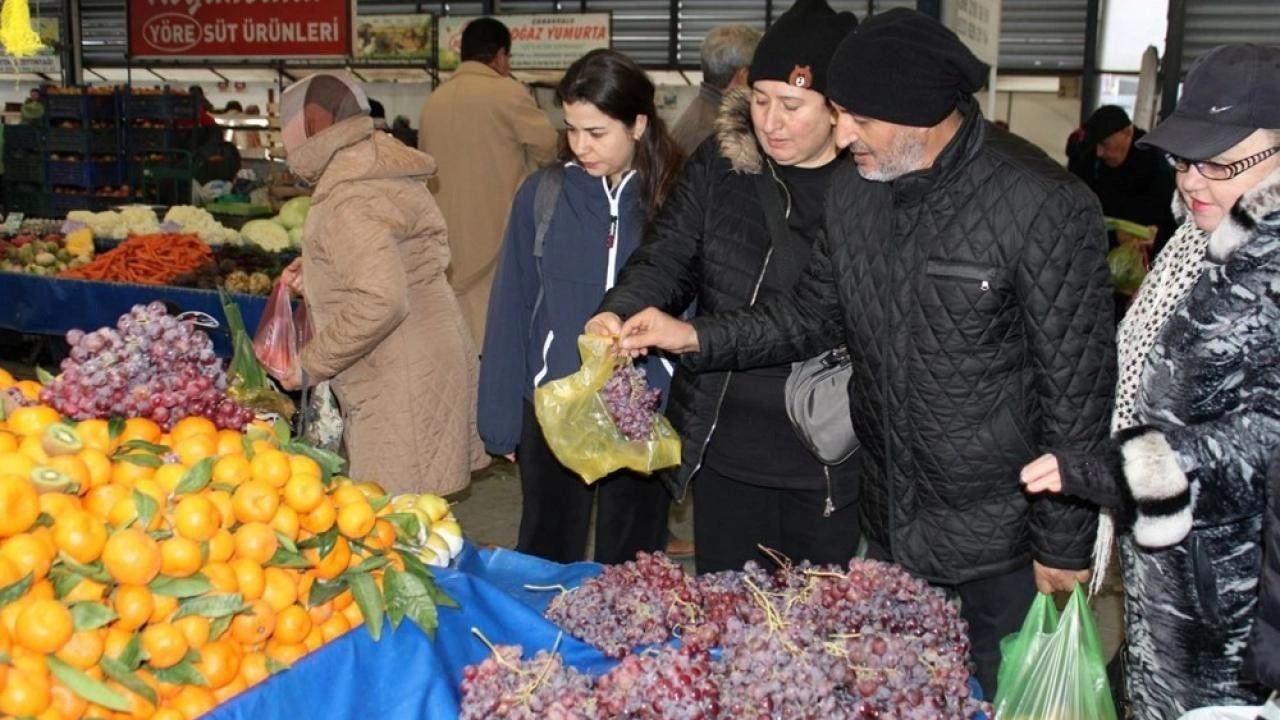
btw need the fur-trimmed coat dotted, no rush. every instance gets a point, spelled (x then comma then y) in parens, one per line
(1189, 480)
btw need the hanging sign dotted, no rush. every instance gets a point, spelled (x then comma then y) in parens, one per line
(393, 37)
(538, 42)
(48, 60)
(239, 28)
(977, 23)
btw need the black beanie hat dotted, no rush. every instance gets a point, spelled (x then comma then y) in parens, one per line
(1105, 122)
(903, 67)
(798, 46)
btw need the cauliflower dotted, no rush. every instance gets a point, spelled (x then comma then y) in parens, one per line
(192, 219)
(266, 234)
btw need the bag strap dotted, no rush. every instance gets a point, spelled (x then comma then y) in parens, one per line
(544, 207)
(774, 218)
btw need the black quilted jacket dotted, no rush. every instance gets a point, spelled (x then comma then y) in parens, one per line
(974, 297)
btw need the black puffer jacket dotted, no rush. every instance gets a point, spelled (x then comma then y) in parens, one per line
(708, 245)
(1264, 645)
(975, 300)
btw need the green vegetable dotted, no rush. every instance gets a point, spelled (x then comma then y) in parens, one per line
(265, 234)
(294, 212)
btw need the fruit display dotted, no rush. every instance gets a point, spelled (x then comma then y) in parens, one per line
(146, 573)
(238, 268)
(866, 641)
(48, 256)
(633, 405)
(439, 537)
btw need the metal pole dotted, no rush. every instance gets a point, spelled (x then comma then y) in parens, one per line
(673, 36)
(932, 8)
(1171, 67)
(1089, 77)
(73, 54)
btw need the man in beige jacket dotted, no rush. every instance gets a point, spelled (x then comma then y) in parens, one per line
(486, 134)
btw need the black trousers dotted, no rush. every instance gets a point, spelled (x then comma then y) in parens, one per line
(731, 519)
(556, 514)
(994, 607)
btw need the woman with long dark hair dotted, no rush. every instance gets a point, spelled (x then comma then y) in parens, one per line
(617, 164)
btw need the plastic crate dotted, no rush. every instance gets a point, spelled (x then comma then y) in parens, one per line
(161, 106)
(23, 166)
(26, 198)
(86, 141)
(84, 173)
(81, 106)
(22, 136)
(59, 204)
(143, 139)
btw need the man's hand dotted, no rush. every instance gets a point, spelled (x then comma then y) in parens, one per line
(606, 324)
(292, 276)
(653, 328)
(1050, 580)
(1042, 475)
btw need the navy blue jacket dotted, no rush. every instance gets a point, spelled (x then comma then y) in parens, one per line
(524, 349)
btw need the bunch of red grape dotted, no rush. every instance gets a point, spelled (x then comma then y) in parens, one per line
(670, 684)
(632, 404)
(504, 686)
(149, 365)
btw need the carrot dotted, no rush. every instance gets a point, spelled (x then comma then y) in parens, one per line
(153, 259)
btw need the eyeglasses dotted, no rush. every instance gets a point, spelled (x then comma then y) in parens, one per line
(1218, 171)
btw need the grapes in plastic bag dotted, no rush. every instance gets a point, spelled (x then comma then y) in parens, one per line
(580, 430)
(1053, 669)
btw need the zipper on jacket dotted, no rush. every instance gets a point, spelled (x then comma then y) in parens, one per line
(829, 507)
(615, 200)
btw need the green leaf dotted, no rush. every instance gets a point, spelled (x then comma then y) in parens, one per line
(64, 582)
(225, 487)
(90, 615)
(286, 542)
(322, 592)
(131, 656)
(151, 461)
(324, 541)
(275, 666)
(5, 659)
(15, 590)
(183, 673)
(379, 502)
(369, 564)
(195, 479)
(420, 570)
(144, 446)
(44, 520)
(219, 626)
(86, 687)
(43, 376)
(247, 444)
(370, 601)
(398, 593)
(282, 430)
(330, 463)
(159, 535)
(408, 596)
(285, 559)
(146, 507)
(115, 427)
(122, 674)
(94, 570)
(211, 606)
(407, 526)
(186, 587)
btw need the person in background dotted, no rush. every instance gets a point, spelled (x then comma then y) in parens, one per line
(725, 56)
(401, 130)
(1133, 183)
(379, 115)
(233, 107)
(487, 133)
(619, 164)
(388, 331)
(966, 272)
(1198, 403)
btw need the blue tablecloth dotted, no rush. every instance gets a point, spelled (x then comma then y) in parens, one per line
(406, 676)
(52, 306)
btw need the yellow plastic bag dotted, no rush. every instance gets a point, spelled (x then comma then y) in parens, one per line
(579, 430)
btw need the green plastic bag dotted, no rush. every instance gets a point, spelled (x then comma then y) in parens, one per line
(1053, 668)
(1128, 265)
(579, 430)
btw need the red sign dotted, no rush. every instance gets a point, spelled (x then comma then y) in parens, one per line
(239, 28)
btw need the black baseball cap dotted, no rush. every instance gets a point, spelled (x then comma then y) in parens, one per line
(1229, 93)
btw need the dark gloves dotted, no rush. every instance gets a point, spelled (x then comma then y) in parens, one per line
(1135, 472)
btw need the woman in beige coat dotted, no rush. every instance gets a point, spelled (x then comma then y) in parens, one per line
(388, 331)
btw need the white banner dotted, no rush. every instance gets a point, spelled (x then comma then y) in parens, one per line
(538, 42)
(977, 22)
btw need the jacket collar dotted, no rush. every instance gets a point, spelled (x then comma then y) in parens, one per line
(353, 150)
(735, 134)
(309, 159)
(951, 162)
(473, 67)
(1258, 210)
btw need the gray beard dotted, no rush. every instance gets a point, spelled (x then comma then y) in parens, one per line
(906, 155)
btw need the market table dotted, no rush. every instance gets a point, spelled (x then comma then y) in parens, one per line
(51, 306)
(406, 675)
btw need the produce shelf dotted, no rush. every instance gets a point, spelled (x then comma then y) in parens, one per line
(83, 173)
(23, 166)
(86, 141)
(81, 106)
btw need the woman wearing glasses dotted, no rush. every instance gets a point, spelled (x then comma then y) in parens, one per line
(1198, 403)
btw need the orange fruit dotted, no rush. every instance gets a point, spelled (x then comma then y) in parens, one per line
(28, 554)
(333, 564)
(102, 498)
(128, 473)
(9, 572)
(255, 501)
(287, 523)
(117, 639)
(195, 629)
(319, 519)
(8, 442)
(57, 504)
(192, 426)
(131, 556)
(256, 541)
(193, 701)
(73, 467)
(96, 434)
(230, 443)
(293, 624)
(134, 605)
(342, 600)
(249, 578)
(231, 689)
(163, 609)
(356, 519)
(168, 713)
(44, 626)
(6, 379)
(353, 614)
(231, 470)
(347, 494)
(65, 703)
(140, 429)
(320, 613)
(381, 537)
(253, 668)
(280, 588)
(86, 591)
(169, 475)
(16, 463)
(42, 590)
(32, 420)
(84, 649)
(196, 518)
(30, 389)
(221, 576)
(304, 492)
(271, 467)
(139, 707)
(19, 505)
(303, 465)
(24, 695)
(33, 448)
(315, 639)
(164, 644)
(285, 653)
(254, 625)
(221, 499)
(195, 448)
(222, 546)
(180, 557)
(335, 627)
(80, 535)
(219, 662)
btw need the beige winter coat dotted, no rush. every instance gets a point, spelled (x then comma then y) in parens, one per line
(486, 133)
(387, 326)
